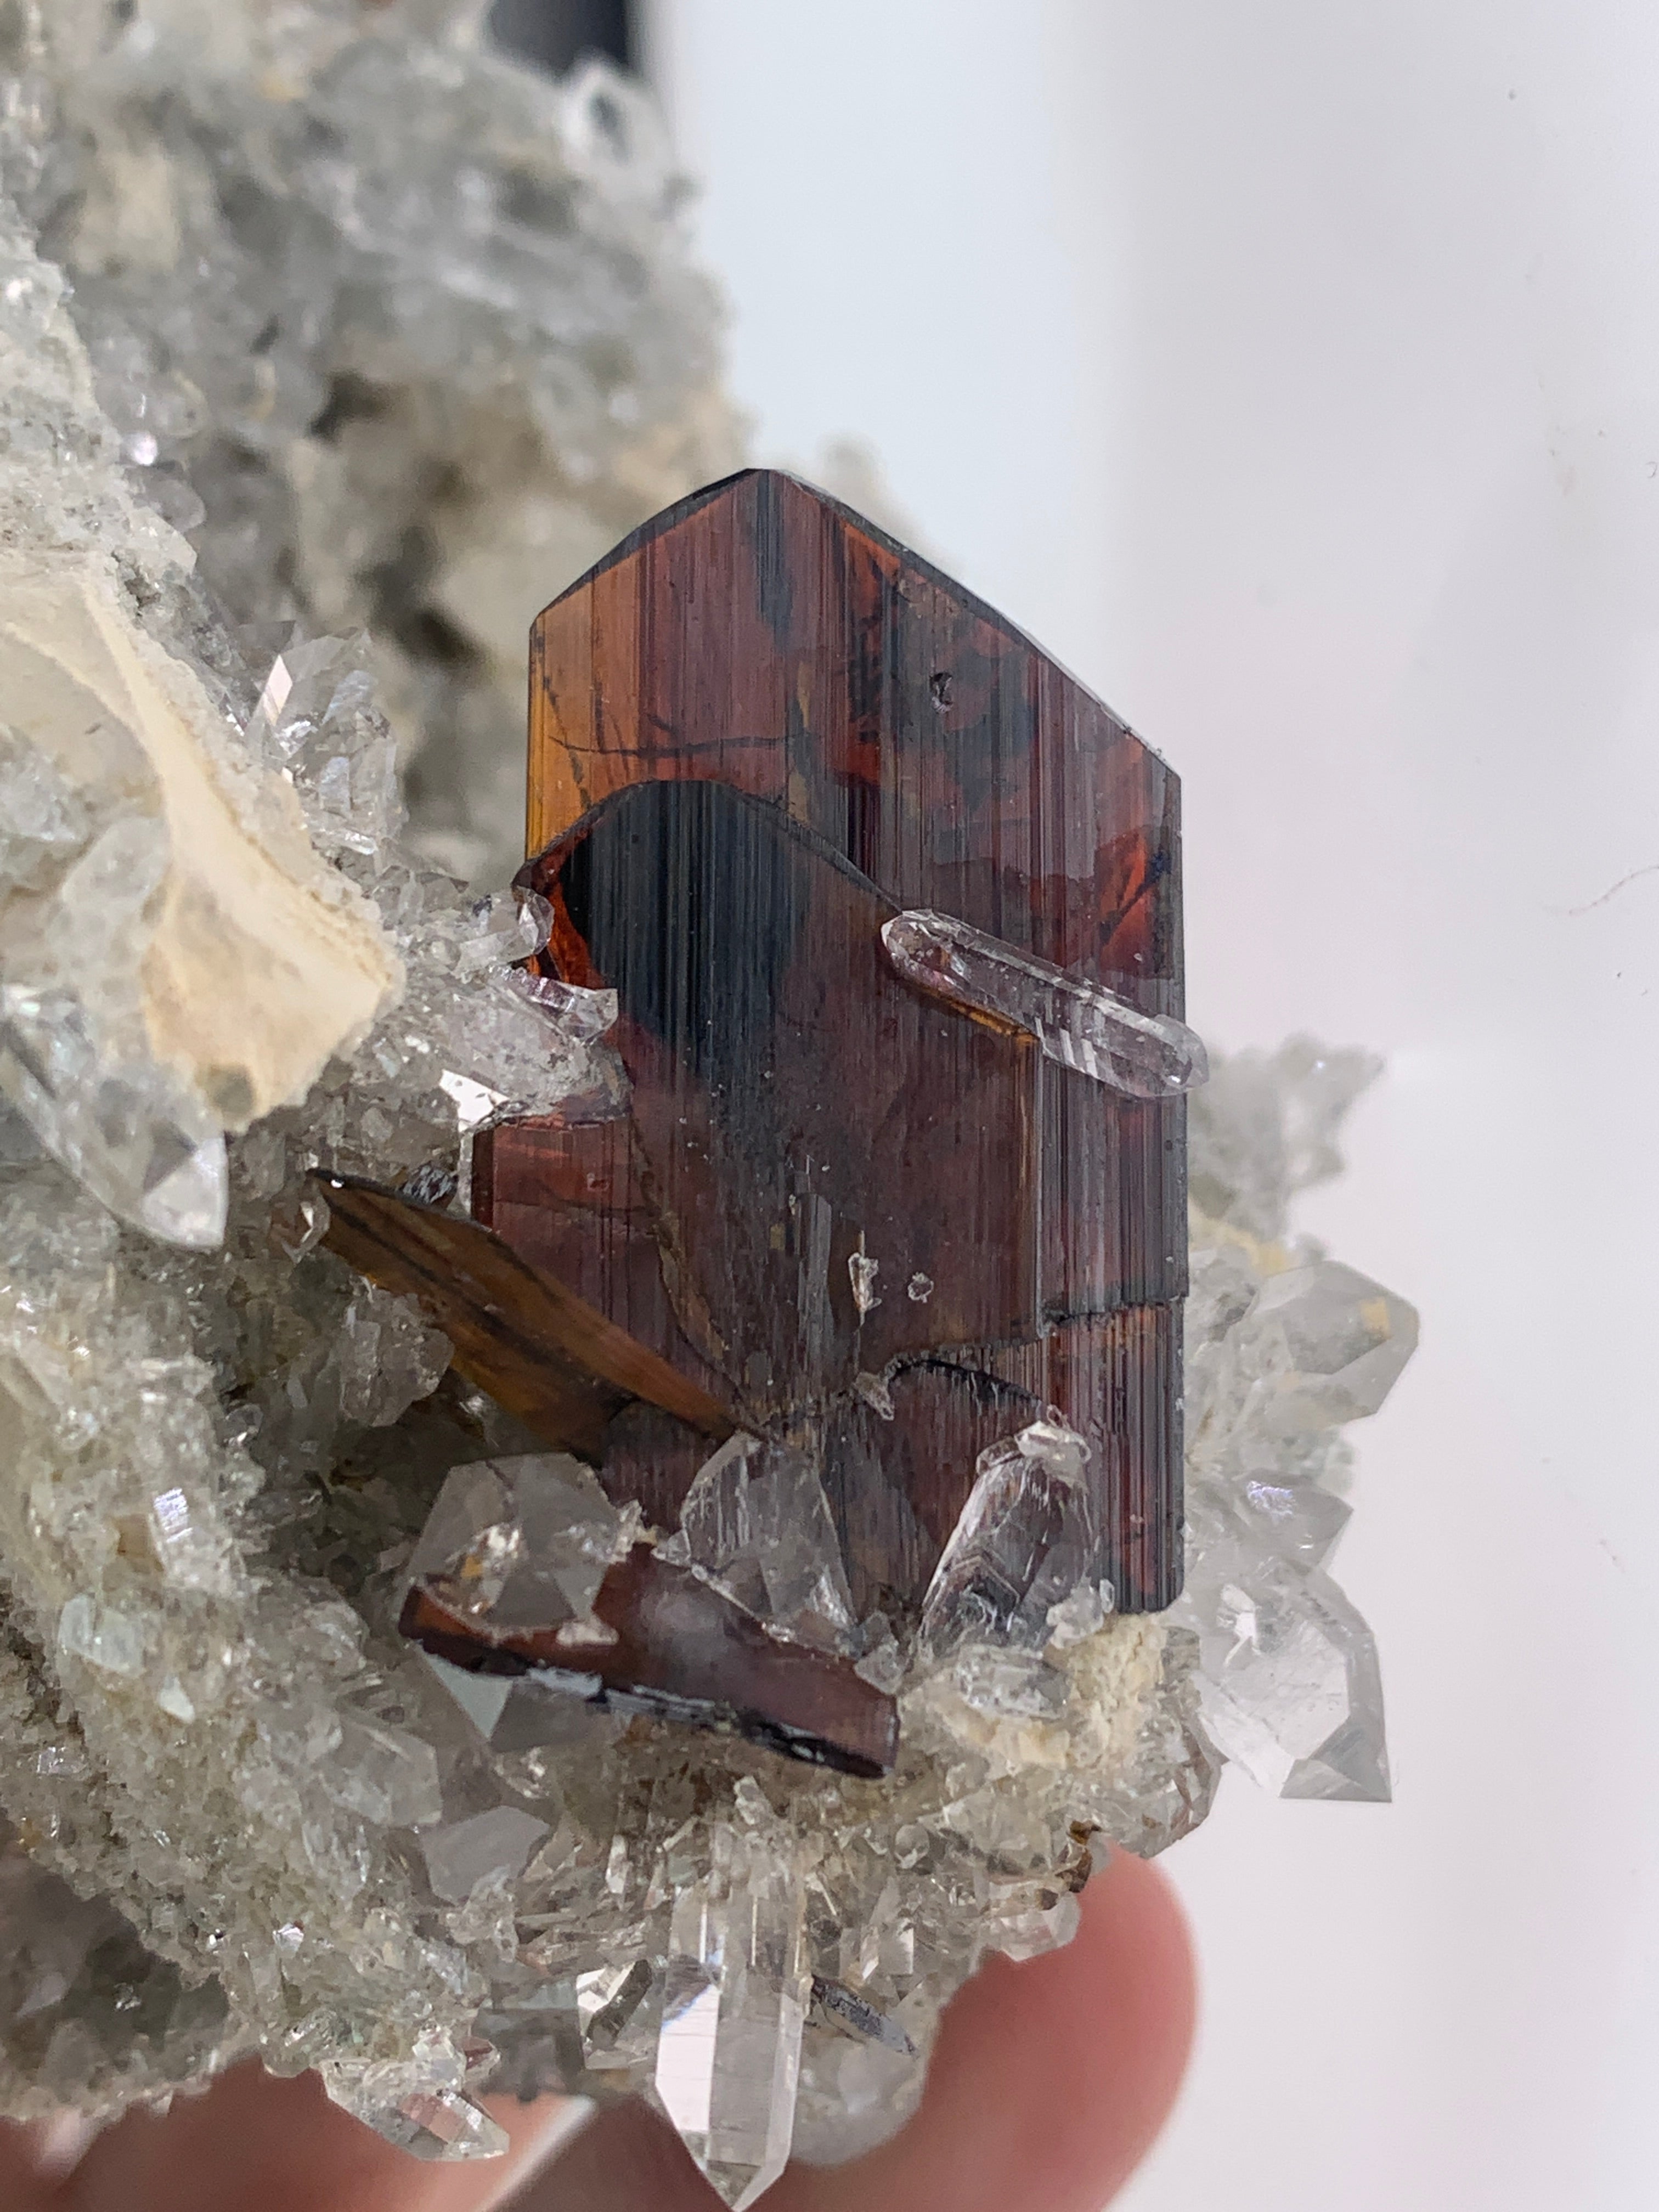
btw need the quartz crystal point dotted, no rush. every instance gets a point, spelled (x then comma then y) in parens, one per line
(140, 1139)
(756, 1520)
(1291, 1688)
(1022, 1546)
(761, 734)
(1329, 1345)
(735, 1997)
(1077, 1023)
(421, 2105)
(520, 1543)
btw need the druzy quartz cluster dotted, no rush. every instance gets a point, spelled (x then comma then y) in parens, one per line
(595, 1484)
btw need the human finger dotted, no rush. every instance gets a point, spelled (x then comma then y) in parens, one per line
(279, 2146)
(1049, 2082)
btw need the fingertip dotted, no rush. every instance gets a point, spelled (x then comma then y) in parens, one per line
(1051, 2078)
(281, 2144)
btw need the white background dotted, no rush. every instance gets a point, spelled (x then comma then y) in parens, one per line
(1290, 368)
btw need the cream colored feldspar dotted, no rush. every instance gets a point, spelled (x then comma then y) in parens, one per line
(262, 961)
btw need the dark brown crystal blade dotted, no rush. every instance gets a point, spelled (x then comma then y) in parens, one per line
(560, 1366)
(684, 1651)
(758, 728)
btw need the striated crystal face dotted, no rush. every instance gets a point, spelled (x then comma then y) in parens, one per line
(663, 1649)
(771, 753)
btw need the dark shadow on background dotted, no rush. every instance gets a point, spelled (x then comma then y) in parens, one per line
(558, 33)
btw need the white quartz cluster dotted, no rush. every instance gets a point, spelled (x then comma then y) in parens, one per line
(217, 970)
(402, 335)
(386, 331)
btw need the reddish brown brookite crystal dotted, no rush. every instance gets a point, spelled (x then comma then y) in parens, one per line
(758, 729)
(679, 1648)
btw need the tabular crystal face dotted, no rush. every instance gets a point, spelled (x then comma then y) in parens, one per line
(851, 1212)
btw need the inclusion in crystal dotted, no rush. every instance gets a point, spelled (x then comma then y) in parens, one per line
(520, 1543)
(1078, 1023)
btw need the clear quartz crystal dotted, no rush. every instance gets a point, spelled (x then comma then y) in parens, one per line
(756, 1520)
(421, 271)
(520, 1543)
(317, 720)
(489, 1847)
(1021, 1547)
(129, 1129)
(1078, 1023)
(420, 2104)
(583, 1014)
(43, 820)
(1291, 1688)
(735, 1995)
(1328, 1344)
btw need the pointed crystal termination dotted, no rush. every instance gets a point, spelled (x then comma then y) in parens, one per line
(757, 1519)
(315, 720)
(1327, 1344)
(132, 1132)
(1290, 1688)
(520, 1543)
(1023, 1545)
(1078, 1023)
(735, 2003)
(431, 2116)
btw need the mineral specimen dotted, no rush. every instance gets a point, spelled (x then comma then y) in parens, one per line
(400, 334)
(762, 734)
(360, 308)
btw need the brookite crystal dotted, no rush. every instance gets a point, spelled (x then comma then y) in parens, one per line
(591, 1472)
